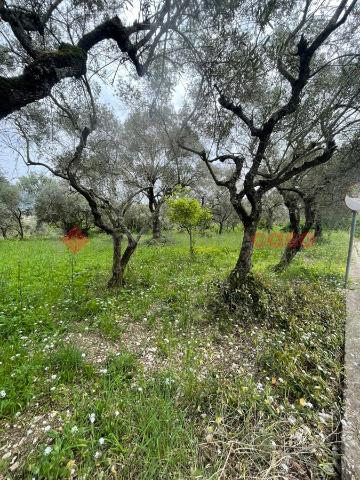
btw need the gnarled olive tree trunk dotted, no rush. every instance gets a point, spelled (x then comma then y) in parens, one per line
(296, 241)
(18, 216)
(120, 260)
(318, 230)
(269, 220)
(48, 68)
(156, 223)
(244, 263)
(155, 205)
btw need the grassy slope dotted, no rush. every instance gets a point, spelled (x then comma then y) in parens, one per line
(182, 389)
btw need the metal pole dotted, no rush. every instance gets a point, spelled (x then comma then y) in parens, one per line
(351, 242)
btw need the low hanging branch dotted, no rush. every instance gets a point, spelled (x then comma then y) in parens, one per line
(47, 68)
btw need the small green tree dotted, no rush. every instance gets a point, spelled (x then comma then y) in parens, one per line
(188, 214)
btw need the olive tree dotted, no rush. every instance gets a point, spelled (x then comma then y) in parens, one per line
(272, 209)
(92, 168)
(7, 223)
(12, 209)
(277, 98)
(153, 163)
(318, 193)
(221, 208)
(57, 204)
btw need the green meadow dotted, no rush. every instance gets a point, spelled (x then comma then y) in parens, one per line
(160, 380)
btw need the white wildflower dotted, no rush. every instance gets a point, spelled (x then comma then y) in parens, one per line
(47, 450)
(209, 437)
(2, 394)
(92, 417)
(101, 441)
(74, 429)
(324, 417)
(292, 420)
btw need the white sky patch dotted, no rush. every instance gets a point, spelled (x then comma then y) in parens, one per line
(179, 96)
(12, 167)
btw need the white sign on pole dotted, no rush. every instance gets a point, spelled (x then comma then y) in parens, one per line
(353, 203)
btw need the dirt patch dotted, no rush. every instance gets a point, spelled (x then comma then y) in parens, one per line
(227, 353)
(94, 346)
(137, 339)
(20, 438)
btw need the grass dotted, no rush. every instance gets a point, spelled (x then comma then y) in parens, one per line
(67, 363)
(159, 380)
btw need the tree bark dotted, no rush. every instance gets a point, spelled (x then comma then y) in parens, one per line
(269, 221)
(243, 265)
(221, 227)
(117, 276)
(294, 215)
(40, 76)
(292, 248)
(298, 236)
(191, 241)
(156, 224)
(48, 68)
(21, 229)
(318, 231)
(4, 232)
(120, 261)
